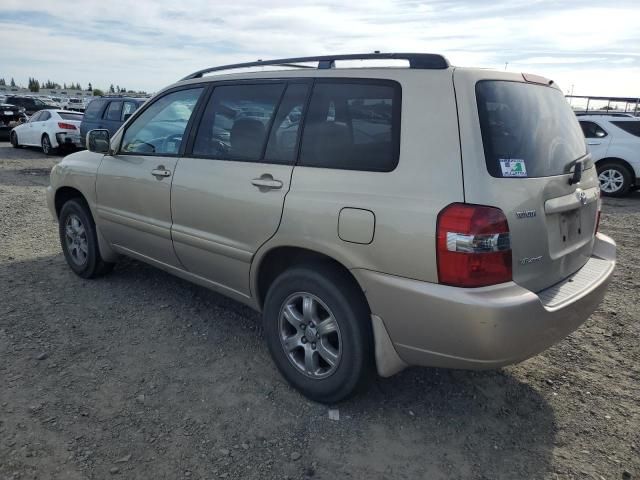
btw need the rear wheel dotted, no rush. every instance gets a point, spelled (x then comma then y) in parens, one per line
(79, 240)
(615, 179)
(14, 140)
(46, 145)
(318, 330)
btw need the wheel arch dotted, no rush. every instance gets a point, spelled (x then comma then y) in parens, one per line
(621, 162)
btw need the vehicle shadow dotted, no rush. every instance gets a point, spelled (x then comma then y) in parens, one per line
(204, 358)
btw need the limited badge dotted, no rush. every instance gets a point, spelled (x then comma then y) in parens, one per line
(513, 167)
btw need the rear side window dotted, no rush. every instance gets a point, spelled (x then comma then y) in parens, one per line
(284, 132)
(353, 126)
(127, 110)
(592, 130)
(629, 126)
(93, 109)
(528, 130)
(236, 122)
(114, 111)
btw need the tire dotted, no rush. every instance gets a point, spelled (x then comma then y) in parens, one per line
(77, 229)
(615, 179)
(350, 341)
(45, 143)
(13, 138)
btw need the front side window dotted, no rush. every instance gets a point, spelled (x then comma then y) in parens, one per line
(629, 126)
(45, 116)
(36, 117)
(236, 122)
(353, 126)
(592, 130)
(114, 111)
(159, 129)
(528, 130)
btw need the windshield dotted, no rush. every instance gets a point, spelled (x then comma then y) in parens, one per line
(528, 130)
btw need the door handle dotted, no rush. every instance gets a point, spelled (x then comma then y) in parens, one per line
(267, 182)
(160, 172)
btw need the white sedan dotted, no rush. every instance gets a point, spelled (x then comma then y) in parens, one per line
(49, 130)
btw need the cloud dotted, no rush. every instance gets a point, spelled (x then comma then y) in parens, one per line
(149, 44)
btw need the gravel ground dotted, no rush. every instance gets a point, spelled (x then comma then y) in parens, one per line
(143, 375)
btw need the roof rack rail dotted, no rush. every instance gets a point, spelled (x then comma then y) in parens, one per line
(428, 61)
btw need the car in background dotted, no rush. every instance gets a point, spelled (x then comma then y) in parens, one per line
(614, 142)
(74, 104)
(10, 116)
(31, 105)
(108, 113)
(50, 130)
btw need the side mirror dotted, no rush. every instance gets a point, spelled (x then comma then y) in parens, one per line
(98, 141)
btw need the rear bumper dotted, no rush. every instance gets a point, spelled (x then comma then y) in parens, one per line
(65, 139)
(437, 325)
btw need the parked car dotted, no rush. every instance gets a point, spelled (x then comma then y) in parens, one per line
(49, 130)
(108, 112)
(614, 142)
(31, 105)
(405, 223)
(74, 104)
(10, 116)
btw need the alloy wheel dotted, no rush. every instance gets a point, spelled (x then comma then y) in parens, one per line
(46, 145)
(611, 180)
(76, 240)
(310, 335)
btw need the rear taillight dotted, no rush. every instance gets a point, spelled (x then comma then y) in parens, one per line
(66, 126)
(599, 211)
(473, 246)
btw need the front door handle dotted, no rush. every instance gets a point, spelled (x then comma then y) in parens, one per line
(160, 172)
(267, 182)
(594, 143)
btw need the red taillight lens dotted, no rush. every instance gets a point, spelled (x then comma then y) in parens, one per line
(473, 246)
(66, 126)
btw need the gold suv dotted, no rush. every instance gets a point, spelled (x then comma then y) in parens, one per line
(378, 217)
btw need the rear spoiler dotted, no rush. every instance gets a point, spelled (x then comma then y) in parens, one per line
(539, 79)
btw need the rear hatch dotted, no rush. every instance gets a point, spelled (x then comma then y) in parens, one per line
(521, 145)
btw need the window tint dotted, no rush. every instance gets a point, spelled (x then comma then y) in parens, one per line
(114, 111)
(127, 110)
(236, 121)
(284, 133)
(629, 126)
(160, 128)
(530, 123)
(352, 126)
(93, 109)
(592, 130)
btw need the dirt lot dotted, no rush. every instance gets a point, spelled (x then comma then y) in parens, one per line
(142, 375)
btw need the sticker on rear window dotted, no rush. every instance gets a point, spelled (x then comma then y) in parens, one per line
(513, 167)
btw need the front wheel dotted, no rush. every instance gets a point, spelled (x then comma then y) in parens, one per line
(14, 140)
(46, 145)
(79, 240)
(318, 330)
(615, 179)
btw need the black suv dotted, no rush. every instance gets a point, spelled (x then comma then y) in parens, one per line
(10, 116)
(31, 105)
(109, 113)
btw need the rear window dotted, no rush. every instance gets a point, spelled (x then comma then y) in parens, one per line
(93, 109)
(527, 130)
(629, 126)
(70, 116)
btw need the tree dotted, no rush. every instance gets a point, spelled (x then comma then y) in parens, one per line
(13, 82)
(111, 89)
(90, 87)
(34, 85)
(97, 92)
(2, 82)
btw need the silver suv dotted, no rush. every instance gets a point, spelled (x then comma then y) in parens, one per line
(377, 217)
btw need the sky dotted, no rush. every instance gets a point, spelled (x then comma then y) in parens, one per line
(588, 47)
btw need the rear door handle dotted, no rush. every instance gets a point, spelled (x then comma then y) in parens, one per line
(160, 172)
(594, 143)
(267, 182)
